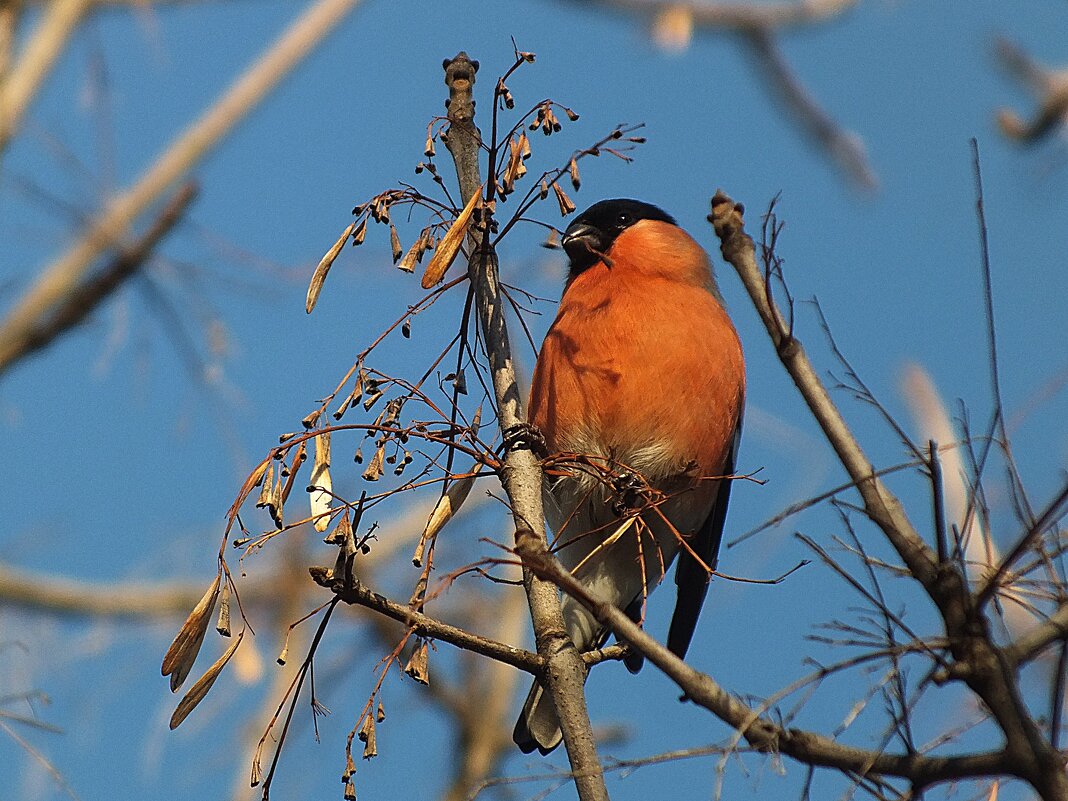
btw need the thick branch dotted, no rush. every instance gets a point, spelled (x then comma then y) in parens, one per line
(521, 474)
(984, 667)
(760, 731)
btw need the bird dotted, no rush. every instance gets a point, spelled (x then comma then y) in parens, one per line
(638, 391)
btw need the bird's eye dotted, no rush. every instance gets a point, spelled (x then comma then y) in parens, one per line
(624, 219)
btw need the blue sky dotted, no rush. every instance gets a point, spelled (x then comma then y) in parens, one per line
(120, 463)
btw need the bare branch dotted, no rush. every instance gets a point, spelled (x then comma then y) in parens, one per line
(758, 730)
(427, 626)
(186, 151)
(19, 86)
(83, 298)
(521, 473)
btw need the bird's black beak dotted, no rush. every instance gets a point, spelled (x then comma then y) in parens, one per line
(583, 244)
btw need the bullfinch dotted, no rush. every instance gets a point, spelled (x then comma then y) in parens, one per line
(638, 393)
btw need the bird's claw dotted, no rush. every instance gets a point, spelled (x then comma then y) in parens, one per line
(525, 436)
(631, 493)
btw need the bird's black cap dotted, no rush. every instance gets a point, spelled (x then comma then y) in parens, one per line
(594, 230)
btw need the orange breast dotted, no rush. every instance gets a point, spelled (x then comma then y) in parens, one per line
(642, 362)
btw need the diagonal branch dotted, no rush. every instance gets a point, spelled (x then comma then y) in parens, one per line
(759, 730)
(191, 146)
(986, 669)
(83, 298)
(521, 473)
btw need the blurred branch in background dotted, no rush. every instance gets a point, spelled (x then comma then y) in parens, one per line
(61, 278)
(1048, 85)
(672, 25)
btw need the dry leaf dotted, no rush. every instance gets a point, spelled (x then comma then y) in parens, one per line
(319, 276)
(320, 477)
(294, 468)
(180, 657)
(450, 244)
(449, 504)
(199, 690)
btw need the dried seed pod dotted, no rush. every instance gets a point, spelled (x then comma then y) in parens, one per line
(200, 689)
(381, 716)
(350, 791)
(350, 768)
(411, 256)
(571, 115)
(267, 490)
(342, 532)
(527, 57)
(572, 168)
(406, 329)
(367, 736)
(391, 414)
(276, 504)
(180, 657)
(450, 244)
(353, 397)
(360, 233)
(553, 240)
(327, 261)
(375, 468)
(524, 145)
(294, 469)
(311, 419)
(428, 148)
(394, 241)
(222, 622)
(566, 206)
(418, 664)
(543, 190)
(322, 497)
(373, 394)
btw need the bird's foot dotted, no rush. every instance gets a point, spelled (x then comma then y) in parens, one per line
(631, 493)
(525, 436)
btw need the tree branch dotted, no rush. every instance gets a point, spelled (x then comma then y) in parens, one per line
(521, 473)
(21, 84)
(186, 151)
(984, 667)
(424, 625)
(761, 732)
(85, 297)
